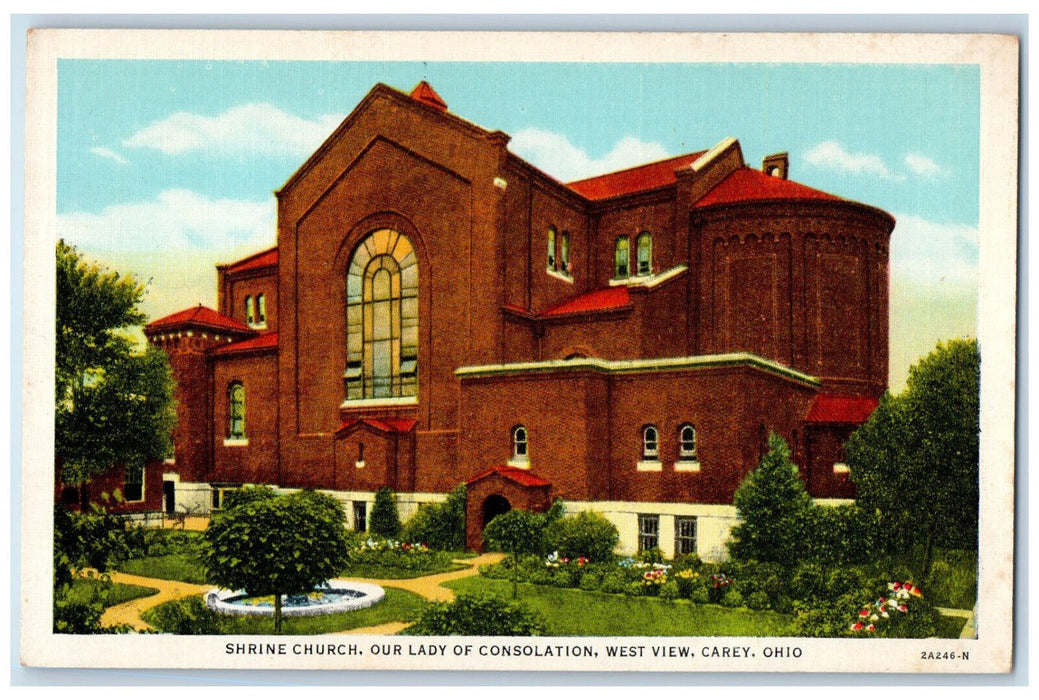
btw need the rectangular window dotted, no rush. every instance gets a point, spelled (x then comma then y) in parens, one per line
(649, 532)
(360, 516)
(133, 484)
(685, 534)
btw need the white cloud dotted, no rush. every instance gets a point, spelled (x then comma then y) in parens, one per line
(831, 155)
(250, 128)
(922, 165)
(108, 153)
(561, 159)
(174, 240)
(934, 289)
(930, 253)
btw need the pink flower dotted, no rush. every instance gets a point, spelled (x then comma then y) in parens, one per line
(856, 627)
(871, 628)
(864, 613)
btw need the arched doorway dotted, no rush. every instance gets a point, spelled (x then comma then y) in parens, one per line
(494, 506)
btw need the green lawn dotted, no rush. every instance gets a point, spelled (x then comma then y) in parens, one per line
(573, 612)
(397, 606)
(83, 590)
(393, 572)
(171, 567)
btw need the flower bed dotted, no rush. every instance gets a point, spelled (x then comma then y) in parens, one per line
(395, 559)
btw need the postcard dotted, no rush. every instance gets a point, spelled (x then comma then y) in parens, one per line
(526, 351)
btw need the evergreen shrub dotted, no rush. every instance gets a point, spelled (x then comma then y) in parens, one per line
(478, 615)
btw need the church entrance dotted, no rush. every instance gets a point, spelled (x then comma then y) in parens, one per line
(494, 506)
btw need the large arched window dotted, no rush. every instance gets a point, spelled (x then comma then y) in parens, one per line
(382, 318)
(644, 253)
(621, 258)
(236, 411)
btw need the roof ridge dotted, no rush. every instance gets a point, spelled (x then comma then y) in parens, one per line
(637, 167)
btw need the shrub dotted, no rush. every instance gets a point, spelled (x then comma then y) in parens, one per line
(385, 522)
(669, 590)
(440, 525)
(590, 581)
(758, 601)
(478, 615)
(614, 582)
(771, 502)
(565, 579)
(652, 555)
(732, 599)
(839, 535)
(699, 595)
(186, 616)
(586, 534)
(686, 580)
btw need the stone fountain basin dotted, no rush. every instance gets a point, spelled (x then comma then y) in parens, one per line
(336, 595)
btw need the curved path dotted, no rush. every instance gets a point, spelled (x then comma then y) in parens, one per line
(129, 613)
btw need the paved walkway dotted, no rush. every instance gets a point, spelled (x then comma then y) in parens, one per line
(968, 628)
(429, 587)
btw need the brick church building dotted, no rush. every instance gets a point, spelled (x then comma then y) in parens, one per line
(438, 311)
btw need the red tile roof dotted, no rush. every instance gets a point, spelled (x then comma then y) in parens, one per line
(386, 425)
(746, 184)
(605, 299)
(426, 94)
(833, 408)
(268, 340)
(520, 476)
(198, 316)
(638, 179)
(265, 258)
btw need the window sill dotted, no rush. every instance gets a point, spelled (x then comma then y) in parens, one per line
(519, 463)
(649, 466)
(388, 401)
(687, 466)
(236, 442)
(560, 275)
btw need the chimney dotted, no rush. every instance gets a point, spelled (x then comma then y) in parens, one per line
(776, 165)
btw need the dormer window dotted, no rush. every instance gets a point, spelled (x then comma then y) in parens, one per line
(621, 258)
(551, 248)
(644, 249)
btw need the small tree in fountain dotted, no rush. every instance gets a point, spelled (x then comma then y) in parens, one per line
(267, 544)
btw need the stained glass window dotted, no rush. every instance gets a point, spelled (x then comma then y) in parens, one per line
(620, 258)
(382, 318)
(236, 411)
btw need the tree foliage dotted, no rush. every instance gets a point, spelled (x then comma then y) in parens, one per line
(385, 521)
(267, 544)
(113, 403)
(915, 461)
(771, 503)
(440, 525)
(516, 532)
(587, 534)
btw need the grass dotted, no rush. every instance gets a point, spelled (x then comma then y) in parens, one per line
(84, 590)
(573, 612)
(397, 606)
(950, 627)
(362, 570)
(953, 582)
(170, 567)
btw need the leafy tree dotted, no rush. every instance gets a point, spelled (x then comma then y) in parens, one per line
(440, 525)
(267, 544)
(771, 503)
(516, 532)
(113, 403)
(915, 461)
(385, 522)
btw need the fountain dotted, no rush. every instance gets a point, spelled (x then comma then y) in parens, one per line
(336, 595)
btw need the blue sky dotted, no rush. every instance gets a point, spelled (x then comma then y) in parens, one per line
(168, 167)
